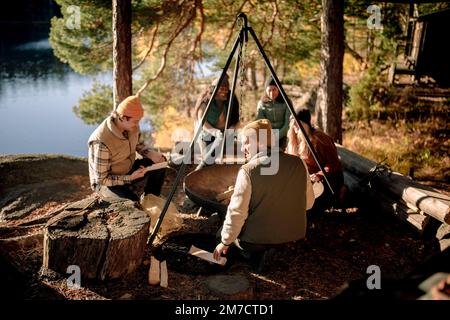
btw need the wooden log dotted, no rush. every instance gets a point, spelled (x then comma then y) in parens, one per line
(443, 232)
(426, 199)
(398, 207)
(355, 186)
(431, 202)
(153, 272)
(106, 240)
(353, 162)
(444, 244)
(401, 211)
(164, 275)
(128, 235)
(352, 182)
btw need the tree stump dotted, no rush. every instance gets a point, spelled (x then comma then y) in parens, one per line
(230, 287)
(105, 239)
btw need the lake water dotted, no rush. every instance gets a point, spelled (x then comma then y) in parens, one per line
(37, 94)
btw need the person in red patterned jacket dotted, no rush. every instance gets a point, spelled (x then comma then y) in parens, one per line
(327, 155)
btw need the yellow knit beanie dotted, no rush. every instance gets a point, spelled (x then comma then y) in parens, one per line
(131, 107)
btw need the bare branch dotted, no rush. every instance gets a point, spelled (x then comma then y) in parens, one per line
(182, 27)
(166, 51)
(149, 49)
(202, 28)
(272, 28)
(353, 52)
(234, 23)
(158, 73)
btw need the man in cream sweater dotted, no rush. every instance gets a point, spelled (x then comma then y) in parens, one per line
(267, 207)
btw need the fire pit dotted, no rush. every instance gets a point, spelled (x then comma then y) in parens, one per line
(203, 186)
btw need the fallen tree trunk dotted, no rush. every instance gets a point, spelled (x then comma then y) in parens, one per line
(352, 182)
(356, 186)
(106, 240)
(397, 207)
(426, 199)
(402, 212)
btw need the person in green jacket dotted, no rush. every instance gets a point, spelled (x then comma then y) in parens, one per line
(271, 106)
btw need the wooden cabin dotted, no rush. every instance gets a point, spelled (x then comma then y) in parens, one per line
(426, 54)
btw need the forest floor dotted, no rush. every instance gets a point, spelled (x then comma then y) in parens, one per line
(339, 247)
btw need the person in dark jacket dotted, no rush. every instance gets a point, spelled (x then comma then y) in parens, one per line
(271, 106)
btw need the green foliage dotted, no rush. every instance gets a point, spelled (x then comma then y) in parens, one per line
(392, 15)
(409, 144)
(154, 104)
(88, 49)
(361, 97)
(370, 95)
(290, 35)
(289, 31)
(427, 8)
(95, 105)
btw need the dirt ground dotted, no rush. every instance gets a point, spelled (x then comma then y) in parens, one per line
(339, 247)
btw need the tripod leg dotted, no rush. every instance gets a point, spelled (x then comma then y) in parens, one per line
(208, 150)
(187, 157)
(289, 104)
(230, 103)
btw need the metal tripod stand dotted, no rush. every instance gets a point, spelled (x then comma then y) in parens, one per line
(238, 45)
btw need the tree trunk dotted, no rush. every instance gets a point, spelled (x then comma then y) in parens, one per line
(105, 240)
(424, 198)
(121, 50)
(329, 99)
